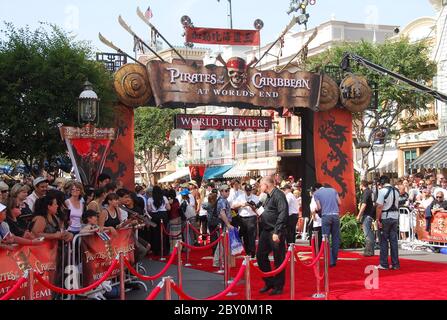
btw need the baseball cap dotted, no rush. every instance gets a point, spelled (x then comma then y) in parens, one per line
(224, 187)
(39, 180)
(193, 183)
(184, 192)
(2, 207)
(3, 186)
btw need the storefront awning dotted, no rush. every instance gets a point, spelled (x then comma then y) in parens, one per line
(216, 172)
(236, 172)
(179, 174)
(211, 135)
(264, 166)
(433, 158)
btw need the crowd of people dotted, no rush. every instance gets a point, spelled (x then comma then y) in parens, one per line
(266, 209)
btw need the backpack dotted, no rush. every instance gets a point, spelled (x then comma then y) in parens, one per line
(393, 206)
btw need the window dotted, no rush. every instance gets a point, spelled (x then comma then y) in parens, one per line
(409, 156)
(288, 126)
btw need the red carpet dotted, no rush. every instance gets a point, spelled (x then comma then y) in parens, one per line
(416, 280)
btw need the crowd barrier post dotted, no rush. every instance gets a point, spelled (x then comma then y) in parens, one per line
(247, 278)
(318, 294)
(326, 265)
(292, 271)
(179, 265)
(162, 258)
(122, 280)
(187, 264)
(220, 248)
(168, 289)
(30, 284)
(225, 258)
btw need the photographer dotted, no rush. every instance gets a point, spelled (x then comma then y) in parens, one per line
(246, 204)
(366, 217)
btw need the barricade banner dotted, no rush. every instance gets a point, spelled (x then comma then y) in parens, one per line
(98, 254)
(438, 227)
(14, 263)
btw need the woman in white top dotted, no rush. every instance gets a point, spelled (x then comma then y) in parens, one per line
(158, 206)
(76, 206)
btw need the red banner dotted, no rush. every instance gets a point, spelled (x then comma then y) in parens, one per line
(120, 160)
(14, 263)
(196, 172)
(98, 255)
(216, 122)
(334, 164)
(223, 36)
(438, 227)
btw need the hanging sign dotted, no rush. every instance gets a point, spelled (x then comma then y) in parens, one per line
(236, 84)
(216, 122)
(223, 36)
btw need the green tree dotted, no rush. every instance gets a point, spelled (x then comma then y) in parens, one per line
(42, 74)
(153, 145)
(401, 56)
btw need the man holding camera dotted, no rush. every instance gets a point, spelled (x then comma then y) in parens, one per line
(246, 204)
(387, 216)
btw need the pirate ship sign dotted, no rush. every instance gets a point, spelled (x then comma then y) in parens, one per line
(235, 83)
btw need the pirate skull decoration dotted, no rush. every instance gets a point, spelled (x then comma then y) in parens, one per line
(237, 68)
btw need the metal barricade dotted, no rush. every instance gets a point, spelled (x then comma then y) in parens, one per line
(75, 263)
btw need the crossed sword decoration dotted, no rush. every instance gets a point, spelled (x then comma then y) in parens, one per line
(137, 38)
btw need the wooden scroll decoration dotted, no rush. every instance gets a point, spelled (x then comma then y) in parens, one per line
(355, 93)
(132, 85)
(329, 94)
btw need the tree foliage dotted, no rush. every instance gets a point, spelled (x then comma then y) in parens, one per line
(408, 59)
(152, 143)
(42, 74)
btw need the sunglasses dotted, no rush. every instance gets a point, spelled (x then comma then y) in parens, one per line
(439, 197)
(5, 191)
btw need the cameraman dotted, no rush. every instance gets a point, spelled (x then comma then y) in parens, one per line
(246, 205)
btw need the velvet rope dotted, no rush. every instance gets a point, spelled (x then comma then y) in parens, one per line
(203, 247)
(218, 296)
(77, 291)
(203, 234)
(154, 293)
(277, 270)
(11, 291)
(166, 232)
(158, 275)
(315, 259)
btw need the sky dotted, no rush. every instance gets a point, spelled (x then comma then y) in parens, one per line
(85, 18)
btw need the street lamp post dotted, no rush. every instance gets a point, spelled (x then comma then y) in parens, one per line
(230, 13)
(88, 105)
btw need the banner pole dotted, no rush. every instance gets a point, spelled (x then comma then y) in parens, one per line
(179, 266)
(187, 264)
(292, 271)
(162, 238)
(122, 286)
(30, 284)
(247, 279)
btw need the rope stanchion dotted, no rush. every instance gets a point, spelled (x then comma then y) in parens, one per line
(168, 288)
(203, 234)
(30, 284)
(218, 296)
(316, 268)
(156, 291)
(187, 244)
(154, 277)
(292, 272)
(122, 286)
(179, 264)
(247, 279)
(326, 265)
(277, 270)
(77, 291)
(162, 242)
(11, 291)
(166, 232)
(202, 248)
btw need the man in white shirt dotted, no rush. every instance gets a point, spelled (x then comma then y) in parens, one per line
(40, 190)
(293, 213)
(387, 217)
(245, 205)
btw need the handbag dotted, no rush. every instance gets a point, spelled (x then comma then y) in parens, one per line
(235, 242)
